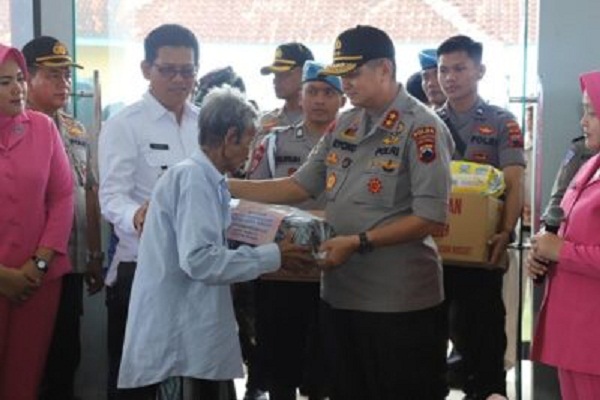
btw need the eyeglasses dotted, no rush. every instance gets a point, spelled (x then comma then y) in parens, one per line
(170, 71)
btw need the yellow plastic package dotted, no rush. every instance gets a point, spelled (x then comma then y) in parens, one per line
(471, 177)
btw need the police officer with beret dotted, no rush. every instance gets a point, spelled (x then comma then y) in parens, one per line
(49, 87)
(485, 134)
(429, 78)
(384, 167)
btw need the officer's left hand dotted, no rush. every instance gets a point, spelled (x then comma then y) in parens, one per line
(337, 250)
(498, 244)
(94, 279)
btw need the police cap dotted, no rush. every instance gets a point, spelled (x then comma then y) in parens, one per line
(48, 52)
(355, 46)
(288, 56)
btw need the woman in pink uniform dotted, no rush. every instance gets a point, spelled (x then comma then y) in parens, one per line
(36, 211)
(568, 330)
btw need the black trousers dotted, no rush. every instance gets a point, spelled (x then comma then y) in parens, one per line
(387, 356)
(289, 345)
(476, 320)
(64, 353)
(117, 304)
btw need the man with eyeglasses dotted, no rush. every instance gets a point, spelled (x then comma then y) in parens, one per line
(136, 147)
(49, 65)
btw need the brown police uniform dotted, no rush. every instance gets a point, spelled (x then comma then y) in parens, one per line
(575, 157)
(490, 135)
(382, 307)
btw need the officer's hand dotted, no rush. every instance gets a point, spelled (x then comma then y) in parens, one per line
(498, 244)
(293, 256)
(337, 251)
(94, 279)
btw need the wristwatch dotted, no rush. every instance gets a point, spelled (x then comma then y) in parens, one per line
(40, 264)
(365, 245)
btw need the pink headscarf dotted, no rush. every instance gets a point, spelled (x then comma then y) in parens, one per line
(7, 52)
(590, 82)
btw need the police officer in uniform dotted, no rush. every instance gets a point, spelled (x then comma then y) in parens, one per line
(384, 167)
(287, 78)
(287, 82)
(49, 85)
(575, 157)
(429, 78)
(486, 134)
(287, 303)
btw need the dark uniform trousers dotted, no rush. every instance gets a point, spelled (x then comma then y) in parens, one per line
(477, 315)
(289, 345)
(386, 355)
(64, 354)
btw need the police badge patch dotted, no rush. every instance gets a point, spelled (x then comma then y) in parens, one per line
(424, 138)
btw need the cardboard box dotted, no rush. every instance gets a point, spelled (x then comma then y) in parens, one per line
(473, 219)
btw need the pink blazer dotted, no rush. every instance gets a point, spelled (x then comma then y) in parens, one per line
(568, 330)
(36, 192)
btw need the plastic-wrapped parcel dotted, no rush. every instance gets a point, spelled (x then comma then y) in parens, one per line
(256, 224)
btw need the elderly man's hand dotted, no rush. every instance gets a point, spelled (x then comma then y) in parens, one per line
(293, 256)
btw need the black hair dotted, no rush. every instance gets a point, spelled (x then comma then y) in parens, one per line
(169, 35)
(462, 43)
(415, 88)
(215, 78)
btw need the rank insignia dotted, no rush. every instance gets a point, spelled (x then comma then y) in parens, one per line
(485, 130)
(346, 162)
(391, 140)
(331, 181)
(374, 185)
(390, 119)
(332, 158)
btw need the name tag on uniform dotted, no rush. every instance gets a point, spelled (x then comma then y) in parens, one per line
(159, 146)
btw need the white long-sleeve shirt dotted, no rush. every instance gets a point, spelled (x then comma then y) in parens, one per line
(181, 320)
(135, 148)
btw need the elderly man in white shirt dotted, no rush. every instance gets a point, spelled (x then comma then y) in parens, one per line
(135, 148)
(181, 321)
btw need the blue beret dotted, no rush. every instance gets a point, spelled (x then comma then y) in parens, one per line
(310, 72)
(428, 59)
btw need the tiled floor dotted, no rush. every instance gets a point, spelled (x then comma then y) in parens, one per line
(455, 394)
(91, 379)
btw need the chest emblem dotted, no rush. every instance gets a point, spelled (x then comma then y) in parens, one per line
(331, 181)
(485, 130)
(332, 158)
(391, 140)
(374, 185)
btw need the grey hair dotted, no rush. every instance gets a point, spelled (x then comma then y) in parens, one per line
(223, 108)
